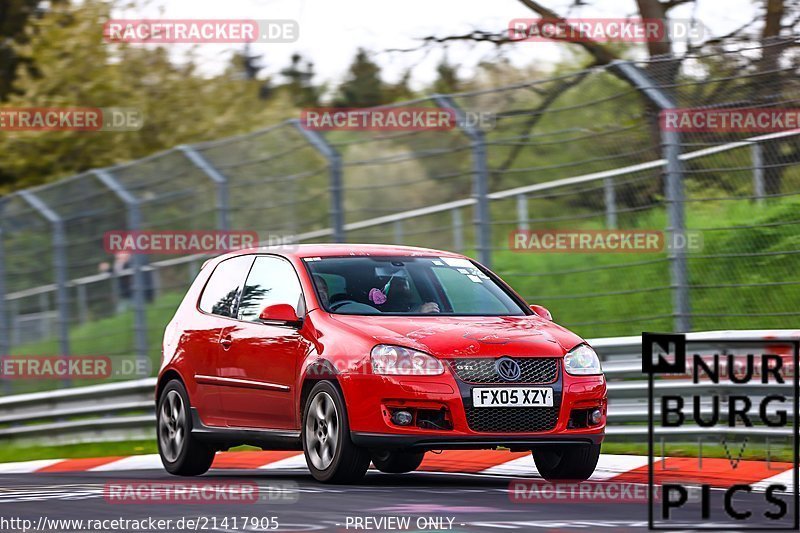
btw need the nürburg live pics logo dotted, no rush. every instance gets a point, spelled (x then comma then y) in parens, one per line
(722, 432)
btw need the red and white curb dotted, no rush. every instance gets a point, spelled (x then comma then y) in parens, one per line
(619, 468)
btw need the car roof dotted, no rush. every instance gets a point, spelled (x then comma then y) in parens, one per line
(340, 250)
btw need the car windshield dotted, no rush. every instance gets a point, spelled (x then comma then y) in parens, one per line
(408, 286)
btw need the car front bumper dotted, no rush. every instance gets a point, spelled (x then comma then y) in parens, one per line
(371, 399)
(393, 441)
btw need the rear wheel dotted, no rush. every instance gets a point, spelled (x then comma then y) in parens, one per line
(396, 462)
(181, 454)
(330, 454)
(575, 462)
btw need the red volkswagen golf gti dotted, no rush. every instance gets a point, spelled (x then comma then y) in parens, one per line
(363, 353)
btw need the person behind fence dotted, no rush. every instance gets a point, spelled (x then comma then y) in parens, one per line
(123, 282)
(121, 270)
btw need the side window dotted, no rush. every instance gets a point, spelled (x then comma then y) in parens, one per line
(271, 281)
(222, 291)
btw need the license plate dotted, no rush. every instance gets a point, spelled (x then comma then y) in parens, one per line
(512, 397)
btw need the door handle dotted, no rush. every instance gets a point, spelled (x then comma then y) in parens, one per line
(226, 342)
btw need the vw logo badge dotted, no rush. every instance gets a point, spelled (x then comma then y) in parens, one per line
(508, 369)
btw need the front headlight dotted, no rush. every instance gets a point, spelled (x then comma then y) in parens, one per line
(582, 361)
(396, 360)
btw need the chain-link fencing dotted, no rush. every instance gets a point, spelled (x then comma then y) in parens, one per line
(585, 151)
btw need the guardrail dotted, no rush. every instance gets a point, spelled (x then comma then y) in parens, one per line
(125, 410)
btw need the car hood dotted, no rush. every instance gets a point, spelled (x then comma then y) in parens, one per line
(462, 336)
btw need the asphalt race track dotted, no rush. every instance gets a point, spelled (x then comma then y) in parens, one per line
(474, 502)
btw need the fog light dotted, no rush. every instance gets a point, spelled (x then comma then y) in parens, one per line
(595, 417)
(402, 418)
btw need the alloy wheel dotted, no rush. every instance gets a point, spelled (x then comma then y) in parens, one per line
(172, 426)
(322, 430)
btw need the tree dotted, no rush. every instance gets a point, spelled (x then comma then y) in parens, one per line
(247, 66)
(14, 18)
(300, 85)
(401, 90)
(76, 68)
(447, 80)
(749, 71)
(363, 86)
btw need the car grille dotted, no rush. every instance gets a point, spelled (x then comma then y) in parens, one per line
(482, 370)
(511, 419)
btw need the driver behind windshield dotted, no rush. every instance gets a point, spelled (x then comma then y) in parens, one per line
(400, 300)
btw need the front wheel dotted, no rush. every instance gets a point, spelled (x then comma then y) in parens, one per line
(571, 462)
(181, 454)
(330, 454)
(396, 462)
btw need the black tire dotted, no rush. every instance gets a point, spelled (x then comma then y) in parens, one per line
(347, 462)
(185, 456)
(396, 462)
(575, 462)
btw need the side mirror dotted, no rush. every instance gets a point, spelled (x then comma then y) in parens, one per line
(283, 313)
(542, 312)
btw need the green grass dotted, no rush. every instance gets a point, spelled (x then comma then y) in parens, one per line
(112, 336)
(11, 453)
(753, 453)
(607, 294)
(601, 294)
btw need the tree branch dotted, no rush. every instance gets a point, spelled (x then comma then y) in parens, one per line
(536, 115)
(601, 54)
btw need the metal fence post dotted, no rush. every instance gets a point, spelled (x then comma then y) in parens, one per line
(219, 179)
(44, 307)
(83, 305)
(5, 328)
(610, 196)
(398, 232)
(757, 152)
(674, 192)
(480, 184)
(59, 267)
(522, 212)
(13, 313)
(458, 231)
(321, 145)
(137, 261)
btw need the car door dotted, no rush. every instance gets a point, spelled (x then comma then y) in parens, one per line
(258, 361)
(218, 306)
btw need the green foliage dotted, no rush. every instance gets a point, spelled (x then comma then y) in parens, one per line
(363, 86)
(447, 78)
(401, 90)
(300, 85)
(594, 294)
(14, 16)
(75, 68)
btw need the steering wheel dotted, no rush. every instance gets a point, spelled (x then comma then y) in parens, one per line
(341, 303)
